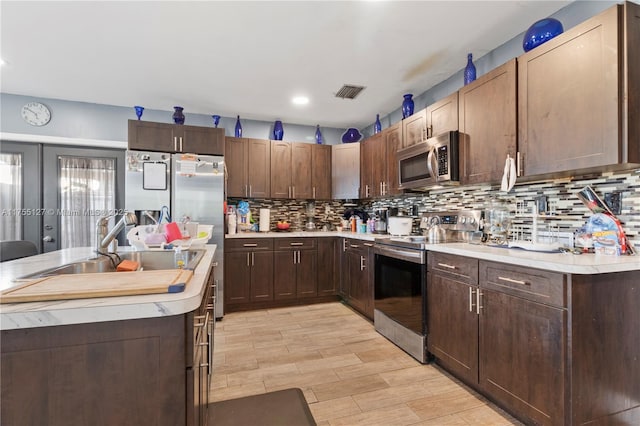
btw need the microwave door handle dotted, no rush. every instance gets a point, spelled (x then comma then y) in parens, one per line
(430, 164)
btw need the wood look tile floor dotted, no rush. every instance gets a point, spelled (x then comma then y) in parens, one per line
(350, 374)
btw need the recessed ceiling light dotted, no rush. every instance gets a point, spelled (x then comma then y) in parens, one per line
(300, 100)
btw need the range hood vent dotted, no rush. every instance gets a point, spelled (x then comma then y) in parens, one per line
(349, 91)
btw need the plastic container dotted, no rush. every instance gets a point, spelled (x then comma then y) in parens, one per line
(172, 231)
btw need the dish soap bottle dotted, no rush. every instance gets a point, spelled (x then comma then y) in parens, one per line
(180, 258)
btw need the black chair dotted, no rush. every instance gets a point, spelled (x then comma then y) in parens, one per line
(10, 250)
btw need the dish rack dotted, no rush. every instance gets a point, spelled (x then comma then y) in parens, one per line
(138, 235)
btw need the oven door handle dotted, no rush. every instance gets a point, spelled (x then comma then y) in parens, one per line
(413, 256)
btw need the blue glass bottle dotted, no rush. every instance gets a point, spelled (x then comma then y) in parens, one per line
(407, 105)
(318, 135)
(178, 116)
(139, 111)
(216, 120)
(238, 128)
(278, 131)
(469, 71)
(377, 127)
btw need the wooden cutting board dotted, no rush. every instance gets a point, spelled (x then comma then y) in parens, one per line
(104, 284)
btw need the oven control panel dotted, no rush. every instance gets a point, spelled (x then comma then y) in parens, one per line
(463, 221)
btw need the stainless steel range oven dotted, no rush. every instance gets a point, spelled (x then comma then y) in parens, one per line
(400, 281)
(400, 287)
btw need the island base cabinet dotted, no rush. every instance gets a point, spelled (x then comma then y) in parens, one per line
(522, 356)
(110, 373)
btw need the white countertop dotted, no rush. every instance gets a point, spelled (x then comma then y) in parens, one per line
(298, 234)
(64, 312)
(557, 262)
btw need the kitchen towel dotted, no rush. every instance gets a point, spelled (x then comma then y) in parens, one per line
(509, 174)
(265, 218)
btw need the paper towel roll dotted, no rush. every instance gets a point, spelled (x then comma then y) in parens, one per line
(265, 220)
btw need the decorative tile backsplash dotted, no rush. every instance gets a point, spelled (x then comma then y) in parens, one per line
(560, 193)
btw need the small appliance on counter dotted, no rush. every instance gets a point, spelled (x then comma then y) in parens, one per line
(380, 219)
(399, 225)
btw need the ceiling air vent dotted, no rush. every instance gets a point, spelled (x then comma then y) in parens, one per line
(349, 91)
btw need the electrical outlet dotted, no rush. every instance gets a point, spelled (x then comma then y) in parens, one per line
(614, 201)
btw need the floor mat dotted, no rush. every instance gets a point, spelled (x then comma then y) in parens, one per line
(281, 408)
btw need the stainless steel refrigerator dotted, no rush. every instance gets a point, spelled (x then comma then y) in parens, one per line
(190, 186)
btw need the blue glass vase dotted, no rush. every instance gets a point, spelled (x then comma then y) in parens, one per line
(139, 111)
(469, 70)
(351, 135)
(377, 127)
(318, 135)
(278, 131)
(541, 32)
(238, 128)
(178, 116)
(407, 105)
(216, 120)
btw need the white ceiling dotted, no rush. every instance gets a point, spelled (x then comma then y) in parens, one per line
(250, 58)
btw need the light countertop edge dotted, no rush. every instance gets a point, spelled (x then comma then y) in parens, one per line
(78, 311)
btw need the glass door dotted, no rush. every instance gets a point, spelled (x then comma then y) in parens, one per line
(80, 186)
(20, 194)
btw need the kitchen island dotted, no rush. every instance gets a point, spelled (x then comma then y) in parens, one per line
(111, 360)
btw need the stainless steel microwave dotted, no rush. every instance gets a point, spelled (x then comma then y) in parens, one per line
(432, 162)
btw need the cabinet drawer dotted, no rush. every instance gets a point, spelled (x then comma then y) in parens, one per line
(244, 244)
(463, 269)
(532, 284)
(294, 243)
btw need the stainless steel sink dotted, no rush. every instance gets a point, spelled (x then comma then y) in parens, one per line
(148, 260)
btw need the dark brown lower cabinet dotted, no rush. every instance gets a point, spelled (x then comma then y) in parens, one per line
(295, 268)
(523, 356)
(551, 348)
(248, 271)
(453, 325)
(358, 275)
(328, 266)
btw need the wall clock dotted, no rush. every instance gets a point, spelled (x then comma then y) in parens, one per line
(36, 114)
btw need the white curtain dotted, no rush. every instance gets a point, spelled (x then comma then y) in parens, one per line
(11, 196)
(87, 191)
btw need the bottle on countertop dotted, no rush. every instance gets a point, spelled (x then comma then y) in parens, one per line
(352, 221)
(180, 258)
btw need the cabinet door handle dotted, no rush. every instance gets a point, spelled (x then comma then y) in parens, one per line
(478, 300)
(354, 245)
(253, 258)
(296, 244)
(248, 259)
(175, 143)
(294, 257)
(250, 191)
(344, 245)
(293, 192)
(180, 143)
(444, 265)
(511, 280)
(472, 292)
(368, 244)
(250, 245)
(314, 192)
(519, 163)
(298, 257)
(246, 190)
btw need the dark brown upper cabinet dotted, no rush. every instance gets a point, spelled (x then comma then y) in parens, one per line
(248, 167)
(579, 97)
(442, 116)
(487, 124)
(163, 137)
